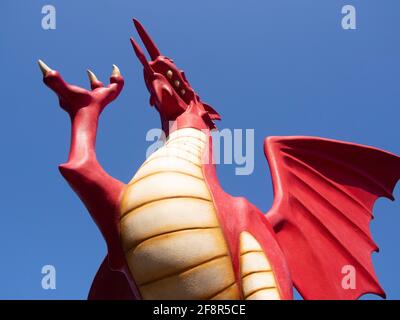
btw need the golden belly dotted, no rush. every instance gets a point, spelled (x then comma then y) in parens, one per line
(173, 243)
(258, 279)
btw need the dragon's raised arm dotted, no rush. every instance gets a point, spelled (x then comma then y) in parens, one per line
(98, 191)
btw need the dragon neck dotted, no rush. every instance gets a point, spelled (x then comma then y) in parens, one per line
(194, 117)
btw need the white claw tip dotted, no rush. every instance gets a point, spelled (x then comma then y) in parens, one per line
(92, 76)
(44, 67)
(115, 71)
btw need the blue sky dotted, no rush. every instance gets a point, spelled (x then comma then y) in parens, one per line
(281, 67)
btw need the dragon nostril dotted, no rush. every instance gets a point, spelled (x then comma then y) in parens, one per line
(169, 74)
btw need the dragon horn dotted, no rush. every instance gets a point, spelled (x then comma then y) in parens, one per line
(139, 53)
(147, 41)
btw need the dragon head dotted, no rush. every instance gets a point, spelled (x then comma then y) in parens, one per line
(170, 91)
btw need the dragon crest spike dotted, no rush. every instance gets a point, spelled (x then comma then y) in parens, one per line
(147, 41)
(139, 53)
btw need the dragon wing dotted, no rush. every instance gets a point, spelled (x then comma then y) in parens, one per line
(324, 192)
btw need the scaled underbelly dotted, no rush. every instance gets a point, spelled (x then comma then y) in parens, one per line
(173, 242)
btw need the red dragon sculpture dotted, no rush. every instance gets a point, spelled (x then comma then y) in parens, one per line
(172, 232)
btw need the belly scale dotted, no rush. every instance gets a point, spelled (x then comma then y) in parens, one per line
(173, 243)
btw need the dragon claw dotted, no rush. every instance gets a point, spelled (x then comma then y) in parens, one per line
(115, 71)
(94, 81)
(44, 67)
(72, 98)
(92, 76)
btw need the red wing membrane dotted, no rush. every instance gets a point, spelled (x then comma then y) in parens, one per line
(324, 194)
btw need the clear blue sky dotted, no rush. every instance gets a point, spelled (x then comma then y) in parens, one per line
(281, 67)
